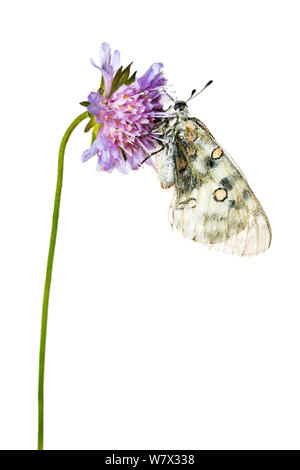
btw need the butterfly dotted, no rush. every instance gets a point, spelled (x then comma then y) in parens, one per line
(213, 202)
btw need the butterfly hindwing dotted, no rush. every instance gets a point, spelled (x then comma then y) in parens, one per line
(213, 203)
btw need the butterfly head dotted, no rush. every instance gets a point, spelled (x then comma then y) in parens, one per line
(180, 105)
(181, 109)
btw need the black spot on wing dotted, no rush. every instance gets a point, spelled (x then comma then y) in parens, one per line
(210, 163)
(231, 203)
(246, 194)
(190, 203)
(226, 183)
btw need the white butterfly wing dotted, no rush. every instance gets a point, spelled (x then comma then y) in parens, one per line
(213, 203)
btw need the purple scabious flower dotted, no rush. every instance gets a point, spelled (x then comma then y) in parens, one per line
(123, 114)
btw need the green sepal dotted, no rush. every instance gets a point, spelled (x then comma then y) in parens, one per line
(122, 77)
(116, 79)
(85, 103)
(95, 132)
(123, 154)
(102, 87)
(90, 124)
(101, 90)
(131, 79)
(125, 75)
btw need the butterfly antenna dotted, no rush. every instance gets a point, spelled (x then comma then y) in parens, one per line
(171, 97)
(193, 95)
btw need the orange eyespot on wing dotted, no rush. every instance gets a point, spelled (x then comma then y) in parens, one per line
(220, 194)
(217, 153)
(189, 126)
(190, 131)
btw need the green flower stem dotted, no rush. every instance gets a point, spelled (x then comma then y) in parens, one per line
(61, 155)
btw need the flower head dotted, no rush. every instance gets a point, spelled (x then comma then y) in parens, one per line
(124, 112)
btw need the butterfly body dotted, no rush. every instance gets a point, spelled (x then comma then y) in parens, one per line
(213, 202)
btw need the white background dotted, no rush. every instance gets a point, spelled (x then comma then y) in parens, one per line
(154, 342)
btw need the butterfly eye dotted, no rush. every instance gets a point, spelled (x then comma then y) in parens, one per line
(180, 105)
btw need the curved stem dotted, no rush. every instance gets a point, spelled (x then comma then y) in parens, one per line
(61, 155)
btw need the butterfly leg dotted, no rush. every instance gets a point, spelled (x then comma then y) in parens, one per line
(153, 153)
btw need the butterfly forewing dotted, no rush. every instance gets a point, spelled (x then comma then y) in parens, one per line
(213, 203)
